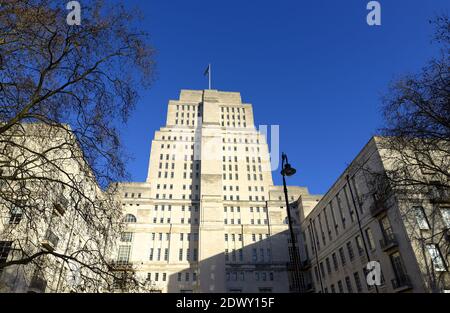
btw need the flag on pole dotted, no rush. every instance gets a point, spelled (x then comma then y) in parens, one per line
(208, 73)
(207, 70)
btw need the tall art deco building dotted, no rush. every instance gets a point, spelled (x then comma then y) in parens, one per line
(208, 218)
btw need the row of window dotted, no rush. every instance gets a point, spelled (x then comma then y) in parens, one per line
(185, 121)
(258, 276)
(348, 284)
(183, 254)
(178, 139)
(132, 195)
(232, 109)
(234, 148)
(238, 209)
(238, 237)
(250, 177)
(235, 140)
(247, 159)
(233, 117)
(172, 157)
(336, 208)
(187, 107)
(233, 221)
(168, 220)
(186, 196)
(238, 198)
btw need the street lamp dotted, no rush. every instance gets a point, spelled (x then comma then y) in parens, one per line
(288, 170)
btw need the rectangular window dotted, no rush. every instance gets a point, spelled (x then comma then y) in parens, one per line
(359, 245)
(421, 218)
(357, 282)
(370, 239)
(350, 251)
(123, 254)
(322, 270)
(335, 261)
(342, 255)
(254, 255)
(327, 261)
(16, 216)
(5, 247)
(126, 237)
(348, 283)
(151, 254)
(445, 212)
(340, 286)
(436, 258)
(399, 269)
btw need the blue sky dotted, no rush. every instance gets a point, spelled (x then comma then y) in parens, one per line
(313, 67)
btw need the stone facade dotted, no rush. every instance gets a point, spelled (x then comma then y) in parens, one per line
(357, 222)
(208, 218)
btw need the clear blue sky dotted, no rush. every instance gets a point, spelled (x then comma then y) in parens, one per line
(313, 67)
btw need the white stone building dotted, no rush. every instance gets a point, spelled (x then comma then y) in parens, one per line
(208, 218)
(360, 219)
(50, 205)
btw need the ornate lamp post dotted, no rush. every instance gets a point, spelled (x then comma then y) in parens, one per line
(288, 170)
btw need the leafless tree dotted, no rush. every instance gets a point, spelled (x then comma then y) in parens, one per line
(416, 154)
(65, 91)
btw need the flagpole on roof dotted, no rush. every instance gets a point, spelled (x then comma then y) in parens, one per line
(209, 72)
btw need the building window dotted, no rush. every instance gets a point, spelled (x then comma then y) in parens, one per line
(445, 212)
(123, 254)
(436, 258)
(357, 282)
(126, 237)
(342, 255)
(348, 283)
(254, 255)
(335, 261)
(151, 254)
(359, 245)
(350, 251)
(16, 216)
(340, 286)
(399, 269)
(130, 218)
(370, 239)
(421, 218)
(5, 247)
(327, 261)
(322, 270)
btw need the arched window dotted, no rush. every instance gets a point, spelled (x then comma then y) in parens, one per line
(130, 218)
